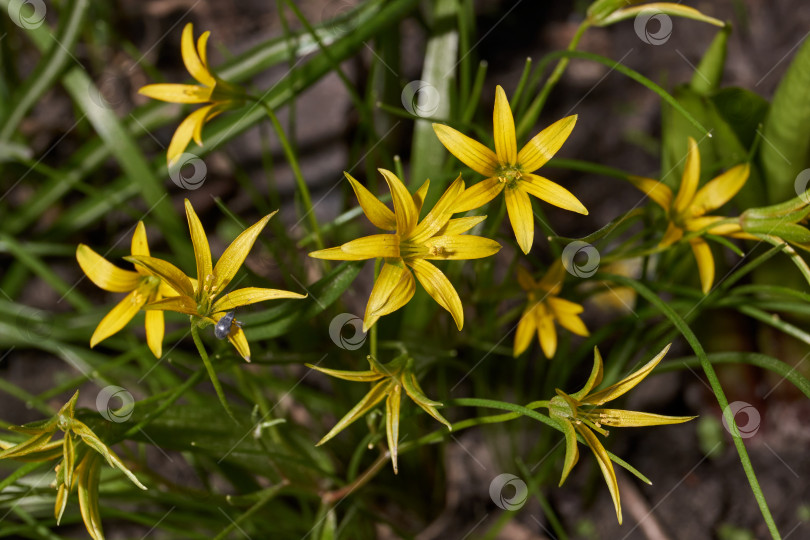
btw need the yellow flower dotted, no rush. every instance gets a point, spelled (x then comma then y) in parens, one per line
(141, 285)
(81, 451)
(199, 298)
(580, 413)
(543, 308)
(393, 377)
(687, 211)
(508, 169)
(412, 245)
(219, 94)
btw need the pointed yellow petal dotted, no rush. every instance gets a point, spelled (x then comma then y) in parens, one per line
(412, 388)
(139, 244)
(393, 289)
(376, 212)
(525, 332)
(202, 49)
(469, 151)
(333, 254)
(705, 223)
(105, 274)
(689, 180)
(563, 306)
(594, 379)
(177, 93)
(439, 287)
(504, 129)
(546, 333)
(119, 316)
(202, 253)
(519, 208)
(185, 132)
(192, 60)
(705, 263)
(357, 376)
(525, 279)
(367, 247)
(440, 214)
(460, 225)
(545, 144)
(620, 418)
(166, 271)
(571, 449)
(720, 190)
(89, 473)
(236, 337)
(251, 295)
(566, 316)
(672, 235)
(553, 278)
(478, 195)
(553, 193)
(404, 207)
(369, 401)
(180, 304)
(605, 465)
(419, 196)
(392, 405)
(655, 190)
(461, 247)
(236, 253)
(625, 385)
(154, 332)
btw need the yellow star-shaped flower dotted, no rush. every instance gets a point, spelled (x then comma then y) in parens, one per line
(143, 287)
(219, 94)
(687, 211)
(511, 171)
(544, 307)
(199, 298)
(580, 413)
(411, 245)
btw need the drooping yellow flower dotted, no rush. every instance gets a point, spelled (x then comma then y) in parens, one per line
(391, 379)
(511, 171)
(199, 299)
(142, 286)
(81, 451)
(687, 211)
(580, 413)
(219, 94)
(411, 246)
(544, 307)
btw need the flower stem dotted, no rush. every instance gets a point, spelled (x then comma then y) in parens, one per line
(195, 333)
(296, 169)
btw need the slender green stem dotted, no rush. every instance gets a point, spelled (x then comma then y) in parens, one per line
(195, 333)
(296, 169)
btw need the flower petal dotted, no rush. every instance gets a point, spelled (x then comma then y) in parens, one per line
(166, 271)
(659, 192)
(392, 406)
(250, 295)
(566, 317)
(460, 225)
(366, 247)
(672, 235)
(419, 196)
(404, 207)
(504, 129)
(356, 376)
(154, 331)
(236, 337)
(192, 60)
(459, 247)
(393, 289)
(720, 190)
(525, 279)
(376, 212)
(605, 465)
(202, 49)
(177, 93)
(705, 262)
(202, 252)
(620, 418)
(105, 274)
(545, 144)
(571, 449)
(546, 333)
(440, 214)
(180, 304)
(190, 125)
(414, 391)
(369, 401)
(705, 223)
(689, 180)
(120, 315)
(594, 379)
(236, 253)
(625, 385)
(551, 192)
(552, 280)
(469, 151)
(478, 195)
(139, 244)
(439, 287)
(519, 208)
(524, 334)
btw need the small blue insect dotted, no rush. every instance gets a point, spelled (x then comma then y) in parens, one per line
(223, 327)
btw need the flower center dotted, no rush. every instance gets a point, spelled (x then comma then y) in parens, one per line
(412, 250)
(510, 175)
